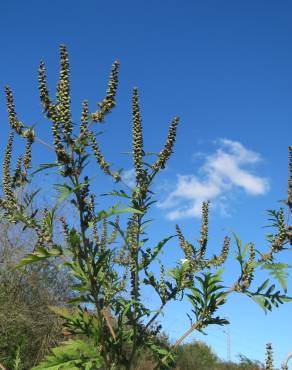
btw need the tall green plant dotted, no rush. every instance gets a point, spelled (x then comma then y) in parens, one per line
(105, 257)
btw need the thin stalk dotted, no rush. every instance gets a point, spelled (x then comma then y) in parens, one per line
(195, 326)
(158, 312)
(40, 141)
(136, 289)
(100, 313)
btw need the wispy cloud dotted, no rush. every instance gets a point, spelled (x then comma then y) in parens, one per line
(222, 173)
(128, 176)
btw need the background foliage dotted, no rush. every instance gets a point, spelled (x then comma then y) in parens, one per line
(28, 328)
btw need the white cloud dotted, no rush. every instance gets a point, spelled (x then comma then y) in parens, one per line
(221, 174)
(128, 176)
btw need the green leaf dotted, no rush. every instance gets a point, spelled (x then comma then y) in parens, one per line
(120, 193)
(159, 350)
(246, 250)
(239, 255)
(40, 253)
(156, 250)
(219, 273)
(45, 166)
(260, 300)
(270, 290)
(28, 198)
(286, 299)
(278, 271)
(71, 355)
(264, 285)
(115, 211)
(64, 191)
(61, 311)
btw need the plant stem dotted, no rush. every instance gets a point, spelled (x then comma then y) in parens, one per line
(192, 328)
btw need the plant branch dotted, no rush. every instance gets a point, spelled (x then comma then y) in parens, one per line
(193, 327)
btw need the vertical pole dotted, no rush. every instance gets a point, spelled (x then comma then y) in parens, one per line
(228, 343)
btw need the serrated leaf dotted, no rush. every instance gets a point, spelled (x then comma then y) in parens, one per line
(278, 271)
(61, 311)
(40, 253)
(246, 250)
(260, 300)
(156, 250)
(115, 211)
(270, 290)
(239, 255)
(218, 273)
(120, 193)
(70, 355)
(45, 166)
(64, 191)
(264, 285)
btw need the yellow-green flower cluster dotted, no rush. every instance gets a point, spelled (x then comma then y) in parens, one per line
(14, 122)
(13, 212)
(63, 93)
(123, 282)
(247, 271)
(168, 148)
(280, 238)
(27, 154)
(133, 249)
(162, 284)
(43, 90)
(137, 136)
(186, 246)
(91, 208)
(122, 257)
(84, 118)
(99, 157)
(44, 233)
(220, 260)
(132, 236)
(114, 233)
(18, 176)
(65, 229)
(59, 147)
(204, 230)
(6, 169)
(251, 258)
(103, 164)
(225, 250)
(103, 240)
(109, 101)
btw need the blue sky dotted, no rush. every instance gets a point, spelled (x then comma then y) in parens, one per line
(225, 68)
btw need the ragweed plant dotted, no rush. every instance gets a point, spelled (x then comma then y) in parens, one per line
(111, 260)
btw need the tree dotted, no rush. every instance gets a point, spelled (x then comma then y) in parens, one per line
(195, 356)
(106, 256)
(198, 356)
(28, 329)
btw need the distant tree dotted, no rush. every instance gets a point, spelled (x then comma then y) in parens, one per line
(247, 364)
(27, 327)
(199, 356)
(195, 356)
